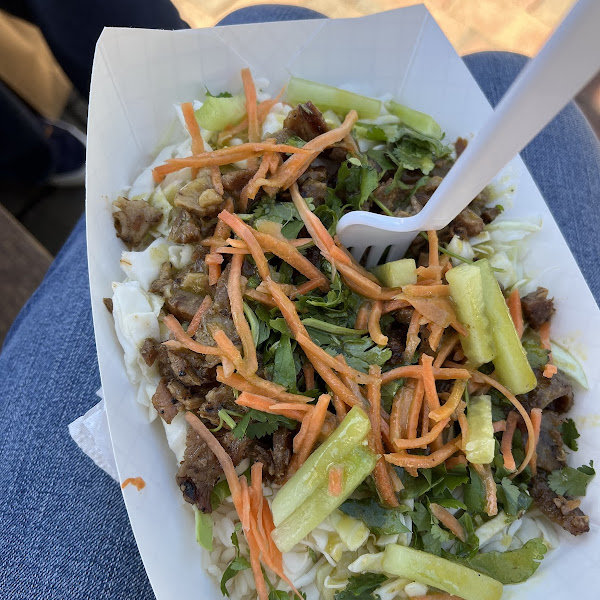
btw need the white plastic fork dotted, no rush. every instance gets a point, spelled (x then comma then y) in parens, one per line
(569, 59)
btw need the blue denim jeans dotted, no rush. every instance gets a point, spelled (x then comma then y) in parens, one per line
(64, 532)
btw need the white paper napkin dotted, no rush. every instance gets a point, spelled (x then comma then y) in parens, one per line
(90, 432)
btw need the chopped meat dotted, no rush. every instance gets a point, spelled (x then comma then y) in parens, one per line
(567, 506)
(163, 401)
(134, 220)
(460, 146)
(183, 305)
(537, 308)
(489, 214)
(404, 315)
(185, 229)
(337, 155)
(234, 181)
(423, 194)
(550, 450)
(466, 225)
(199, 197)
(391, 196)
(314, 255)
(306, 121)
(282, 453)
(149, 351)
(198, 473)
(184, 395)
(109, 304)
(219, 398)
(552, 505)
(282, 136)
(318, 173)
(553, 394)
(396, 343)
(163, 281)
(317, 190)
(191, 281)
(188, 367)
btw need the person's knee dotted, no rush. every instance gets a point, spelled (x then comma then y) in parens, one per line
(495, 71)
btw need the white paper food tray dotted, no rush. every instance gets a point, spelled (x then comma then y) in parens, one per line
(138, 75)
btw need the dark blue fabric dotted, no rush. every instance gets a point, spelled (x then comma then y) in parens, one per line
(64, 531)
(564, 161)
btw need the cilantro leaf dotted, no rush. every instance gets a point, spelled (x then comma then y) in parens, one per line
(239, 563)
(474, 493)
(536, 355)
(361, 587)
(284, 213)
(569, 434)
(570, 481)
(513, 566)
(219, 493)
(258, 424)
(284, 371)
(388, 391)
(219, 95)
(432, 540)
(380, 520)
(355, 182)
(512, 497)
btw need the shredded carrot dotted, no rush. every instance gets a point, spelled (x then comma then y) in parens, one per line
(396, 429)
(268, 405)
(426, 291)
(306, 287)
(445, 411)
(313, 225)
(447, 347)
(434, 254)
(268, 388)
(435, 335)
(536, 421)
(455, 461)
(380, 473)
(316, 419)
(415, 371)
(362, 316)
(550, 370)
(246, 234)
(228, 250)
(392, 305)
(194, 130)
(360, 284)
(464, 426)
(429, 382)
(309, 376)
(425, 462)
(424, 440)
(214, 259)
(259, 297)
(340, 408)
(301, 435)
(251, 108)
(429, 274)
(245, 517)
(336, 477)
(444, 516)
(507, 439)
(197, 318)
(283, 249)
(294, 167)
(499, 426)
(514, 306)
(223, 156)
(183, 338)
(224, 459)
(234, 291)
(375, 326)
(334, 383)
(491, 500)
(262, 111)
(513, 400)
(251, 188)
(544, 332)
(222, 230)
(415, 409)
(412, 337)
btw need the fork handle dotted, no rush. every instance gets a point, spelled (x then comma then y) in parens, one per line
(569, 59)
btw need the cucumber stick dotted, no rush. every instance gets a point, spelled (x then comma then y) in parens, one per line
(416, 120)
(512, 367)
(327, 97)
(320, 504)
(480, 438)
(440, 573)
(216, 113)
(314, 472)
(397, 273)
(466, 290)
